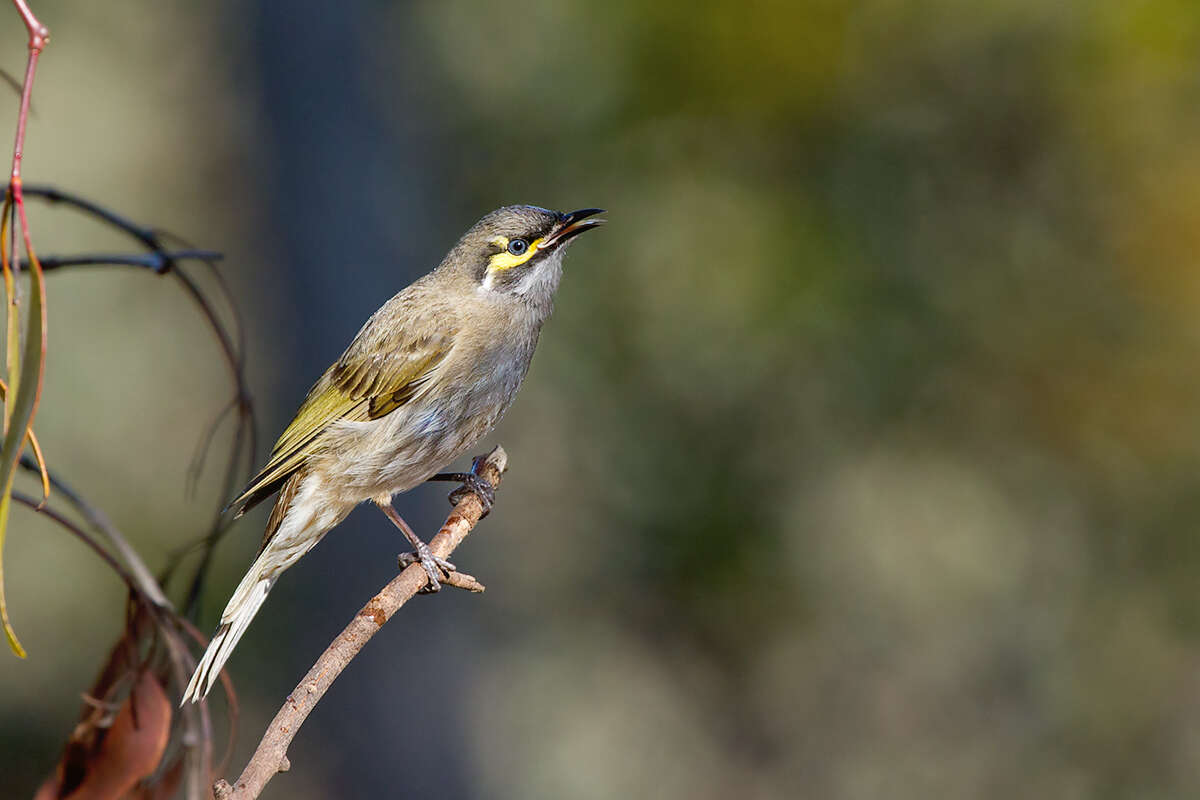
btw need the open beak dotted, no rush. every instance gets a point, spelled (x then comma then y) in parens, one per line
(571, 226)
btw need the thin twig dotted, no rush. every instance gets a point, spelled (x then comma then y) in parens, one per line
(231, 339)
(271, 755)
(39, 35)
(162, 260)
(54, 195)
(156, 261)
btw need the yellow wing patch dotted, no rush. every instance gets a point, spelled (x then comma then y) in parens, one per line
(325, 404)
(373, 378)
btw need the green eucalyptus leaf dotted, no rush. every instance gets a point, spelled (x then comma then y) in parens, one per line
(24, 400)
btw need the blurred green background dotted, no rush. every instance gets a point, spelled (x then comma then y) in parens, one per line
(862, 455)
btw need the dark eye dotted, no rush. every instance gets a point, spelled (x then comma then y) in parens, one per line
(518, 247)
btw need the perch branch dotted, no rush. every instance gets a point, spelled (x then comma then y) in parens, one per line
(271, 755)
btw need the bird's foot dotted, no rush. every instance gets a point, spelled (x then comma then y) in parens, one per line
(471, 484)
(431, 563)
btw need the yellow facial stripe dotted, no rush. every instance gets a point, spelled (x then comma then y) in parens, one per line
(506, 260)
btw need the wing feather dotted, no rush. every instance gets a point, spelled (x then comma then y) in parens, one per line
(381, 370)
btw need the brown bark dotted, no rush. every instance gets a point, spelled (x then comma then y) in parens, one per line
(271, 756)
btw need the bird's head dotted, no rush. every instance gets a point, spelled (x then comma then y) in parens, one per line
(517, 251)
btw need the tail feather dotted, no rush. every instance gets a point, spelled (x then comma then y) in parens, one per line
(246, 602)
(303, 514)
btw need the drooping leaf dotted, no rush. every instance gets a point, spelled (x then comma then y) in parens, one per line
(38, 457)
(111, 750)
(25, 380)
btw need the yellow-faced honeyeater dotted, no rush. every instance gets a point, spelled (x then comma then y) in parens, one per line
(428, 375)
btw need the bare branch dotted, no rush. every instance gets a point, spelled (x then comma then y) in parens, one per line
(162, 260)
(157, 261)
(271, 755)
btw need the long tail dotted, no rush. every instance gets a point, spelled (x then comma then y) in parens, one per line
(303, 514)
(244, 604)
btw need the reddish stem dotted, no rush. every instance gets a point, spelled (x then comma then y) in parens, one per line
(39, 36)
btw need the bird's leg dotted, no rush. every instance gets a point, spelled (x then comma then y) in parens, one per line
(421, 552)
(471, 484)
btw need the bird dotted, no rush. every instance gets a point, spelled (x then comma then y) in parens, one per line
(426, 377)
